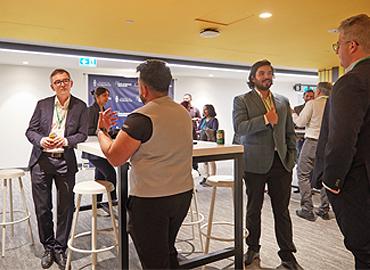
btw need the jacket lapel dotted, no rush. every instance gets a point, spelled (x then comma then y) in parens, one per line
(50, 113)
(69, 116)
(258, 101)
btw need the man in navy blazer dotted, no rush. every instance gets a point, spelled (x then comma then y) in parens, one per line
(343, 152)
(57, 125)
(263, 124)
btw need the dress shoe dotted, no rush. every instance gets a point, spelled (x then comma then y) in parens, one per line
(291, 265)
(47, 259)
(60, 258)
(322, 214)
(250, 256)
(305, 214)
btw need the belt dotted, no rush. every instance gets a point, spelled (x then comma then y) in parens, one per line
(54, 155)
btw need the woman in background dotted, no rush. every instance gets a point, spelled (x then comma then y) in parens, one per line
(103, 169)
(207, 129)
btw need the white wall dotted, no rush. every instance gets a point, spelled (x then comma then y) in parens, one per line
(23, 86)
(221, 92)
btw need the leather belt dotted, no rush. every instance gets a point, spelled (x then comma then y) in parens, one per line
(54, 155)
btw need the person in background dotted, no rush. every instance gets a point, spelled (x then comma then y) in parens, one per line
(343, 151)
(194, 113)
(307, 96)
(157, 138)
(186, 105)
(103, 169)
(207, 129)
(311, 118)
(263, 124)
(57, 125)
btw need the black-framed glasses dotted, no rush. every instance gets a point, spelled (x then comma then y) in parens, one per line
(337, 45)
(60, 82)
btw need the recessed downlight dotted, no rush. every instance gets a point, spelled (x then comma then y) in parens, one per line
(265, 15)
(25, 62)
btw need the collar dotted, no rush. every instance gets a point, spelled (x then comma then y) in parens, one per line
(66, 104)
(351, 66)
(260, 94)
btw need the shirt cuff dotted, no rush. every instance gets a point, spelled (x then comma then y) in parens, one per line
(266, 121)
(65, 142)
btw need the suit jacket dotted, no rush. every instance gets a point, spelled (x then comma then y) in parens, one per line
(75, 129)
(259, 139)
(344, 142)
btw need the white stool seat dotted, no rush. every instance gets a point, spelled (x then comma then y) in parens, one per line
(11, 173)
(221, 180)
(93, 187)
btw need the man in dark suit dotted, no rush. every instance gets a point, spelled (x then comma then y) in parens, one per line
(263, 124)
(57, 125)
(344, 145)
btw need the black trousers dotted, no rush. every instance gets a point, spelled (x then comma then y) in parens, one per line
(105, 171)
(153, 226)
(42, 175)
(278, 181)
(352, 211)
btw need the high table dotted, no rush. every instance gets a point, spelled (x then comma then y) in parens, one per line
(202, 152)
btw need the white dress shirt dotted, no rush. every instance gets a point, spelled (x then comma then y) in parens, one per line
(311, 117)
(59, 123)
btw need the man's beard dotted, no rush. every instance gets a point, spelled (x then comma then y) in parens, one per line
(262, 86)
(143, 99)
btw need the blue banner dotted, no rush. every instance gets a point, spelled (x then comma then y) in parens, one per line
(124, 94)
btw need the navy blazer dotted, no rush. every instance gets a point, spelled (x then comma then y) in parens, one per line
(344, 142)
(75, 130)
(259, 139)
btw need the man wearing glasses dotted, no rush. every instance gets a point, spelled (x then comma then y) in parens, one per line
(57, 125)
(343, 148)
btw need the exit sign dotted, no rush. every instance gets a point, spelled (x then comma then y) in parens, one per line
(88, 62)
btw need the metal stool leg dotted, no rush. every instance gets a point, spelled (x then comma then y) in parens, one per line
(4, 219)
(25, 207)
(115, 231)
(210, 219)
(11, 212)
(73, 232)
(94, 231)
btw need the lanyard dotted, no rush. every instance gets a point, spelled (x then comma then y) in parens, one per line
(60, 117)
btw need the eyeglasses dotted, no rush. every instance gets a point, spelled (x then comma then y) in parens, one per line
(337, 45)
(64, 81)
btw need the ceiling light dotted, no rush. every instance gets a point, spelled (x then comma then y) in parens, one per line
(25, 62)
(211, 75)
(333, 30)
(265, 15)
(129, 21)
(209, 33)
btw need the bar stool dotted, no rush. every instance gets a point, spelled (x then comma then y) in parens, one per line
(196, 218)
(7, 176)
(92, 188)
(218, 181)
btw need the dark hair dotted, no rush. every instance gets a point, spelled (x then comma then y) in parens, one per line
(308, 91)
(99, 91)
(58, 71)
(187, 94)
(254, 68)
(211, 110)
(185, 104)
(156, 74)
